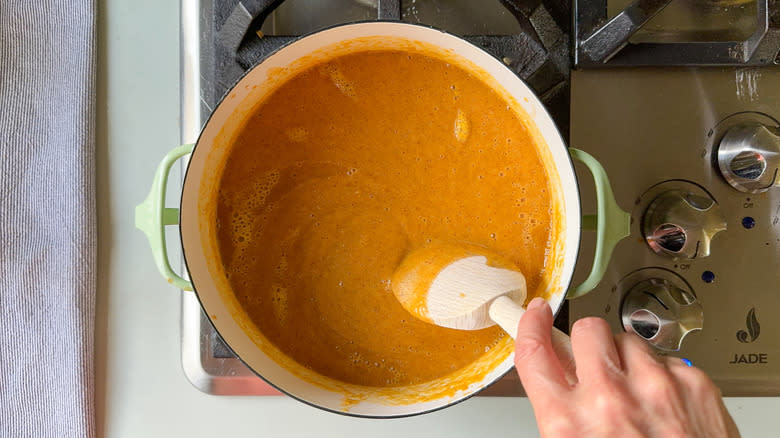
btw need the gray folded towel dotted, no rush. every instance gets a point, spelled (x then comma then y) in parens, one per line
(47, 218)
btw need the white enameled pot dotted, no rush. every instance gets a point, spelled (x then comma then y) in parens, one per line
(197, 217)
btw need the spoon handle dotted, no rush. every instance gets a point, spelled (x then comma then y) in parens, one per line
(507, 313)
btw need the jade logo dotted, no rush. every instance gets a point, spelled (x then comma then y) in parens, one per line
(753, 328)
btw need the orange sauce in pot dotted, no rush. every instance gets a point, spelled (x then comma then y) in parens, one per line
(341, 171)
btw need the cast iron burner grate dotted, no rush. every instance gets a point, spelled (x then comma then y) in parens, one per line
(602, 39)
(539, 53)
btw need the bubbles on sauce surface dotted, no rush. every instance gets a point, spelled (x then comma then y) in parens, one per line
(338, 78)
(279, 300)
(429, 199)
(281, 266)
(298, 134)
(462, 127)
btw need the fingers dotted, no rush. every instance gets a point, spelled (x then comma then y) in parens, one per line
(636, 355)
(664, 397)
(702, 396)
(594, 350)
(537, 365)
(561, 343)
(672, 362)
(692, 377)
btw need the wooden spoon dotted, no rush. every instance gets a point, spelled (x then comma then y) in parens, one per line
(468, 287)
(460, 286)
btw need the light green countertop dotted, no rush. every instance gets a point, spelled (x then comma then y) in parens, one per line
(141, 390)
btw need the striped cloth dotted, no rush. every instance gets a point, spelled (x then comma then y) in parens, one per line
(47, 218)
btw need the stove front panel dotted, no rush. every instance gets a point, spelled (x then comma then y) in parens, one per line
(656, 131)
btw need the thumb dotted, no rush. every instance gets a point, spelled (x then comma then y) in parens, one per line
(537, 365)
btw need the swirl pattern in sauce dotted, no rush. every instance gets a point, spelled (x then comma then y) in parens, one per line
(346, 167)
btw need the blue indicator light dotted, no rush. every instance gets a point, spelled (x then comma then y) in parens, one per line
(748, 222)
(708, 276)
(687, 361)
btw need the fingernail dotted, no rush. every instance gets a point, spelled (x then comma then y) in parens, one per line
(536, 303)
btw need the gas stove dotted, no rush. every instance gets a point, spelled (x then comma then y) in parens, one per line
(686, 125)
(680, 102)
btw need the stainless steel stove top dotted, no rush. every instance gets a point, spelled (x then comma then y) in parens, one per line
(657, 130)
(714, 272)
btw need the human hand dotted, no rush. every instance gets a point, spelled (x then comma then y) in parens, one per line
(618, 387)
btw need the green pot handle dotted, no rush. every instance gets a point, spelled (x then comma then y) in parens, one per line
(151, 217)
(611, 224)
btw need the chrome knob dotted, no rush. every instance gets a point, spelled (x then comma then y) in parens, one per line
(682, 224)
(661, 312)
(749, 157)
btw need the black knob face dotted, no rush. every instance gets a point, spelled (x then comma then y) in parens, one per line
(661, 312)
(669, 237)
(749, 157)
(681, 224)
(749, 165)
(645, 323)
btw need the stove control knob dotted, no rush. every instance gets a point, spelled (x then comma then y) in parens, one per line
(661, 313)
(749, 157)
(682, 224)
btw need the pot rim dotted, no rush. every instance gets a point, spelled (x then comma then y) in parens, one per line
(565, 280)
